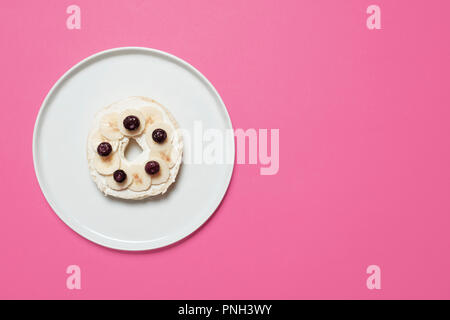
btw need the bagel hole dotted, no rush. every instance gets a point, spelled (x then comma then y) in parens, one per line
(133, 150)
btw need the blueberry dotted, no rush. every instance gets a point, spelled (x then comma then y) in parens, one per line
(159, 135)
(119, 176)
(152, 167)
(104, 149)
(131, 123)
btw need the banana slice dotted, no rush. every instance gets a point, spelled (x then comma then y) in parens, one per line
(131, 112)
(152, 115)
(96, 138)
(163, 173)
(109, 127)
(113, 184)
(170, 156)
(141, 180)
(107, 165)
(164, 146)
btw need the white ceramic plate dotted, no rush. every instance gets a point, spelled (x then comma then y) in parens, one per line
(59, 148)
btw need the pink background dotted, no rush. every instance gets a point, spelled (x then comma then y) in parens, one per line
(364, 170)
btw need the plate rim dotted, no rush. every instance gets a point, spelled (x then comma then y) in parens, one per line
(114, 243)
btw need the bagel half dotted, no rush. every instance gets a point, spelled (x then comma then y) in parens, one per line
(108, 127)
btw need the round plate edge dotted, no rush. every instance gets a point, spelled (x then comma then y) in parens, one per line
(114, 244)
